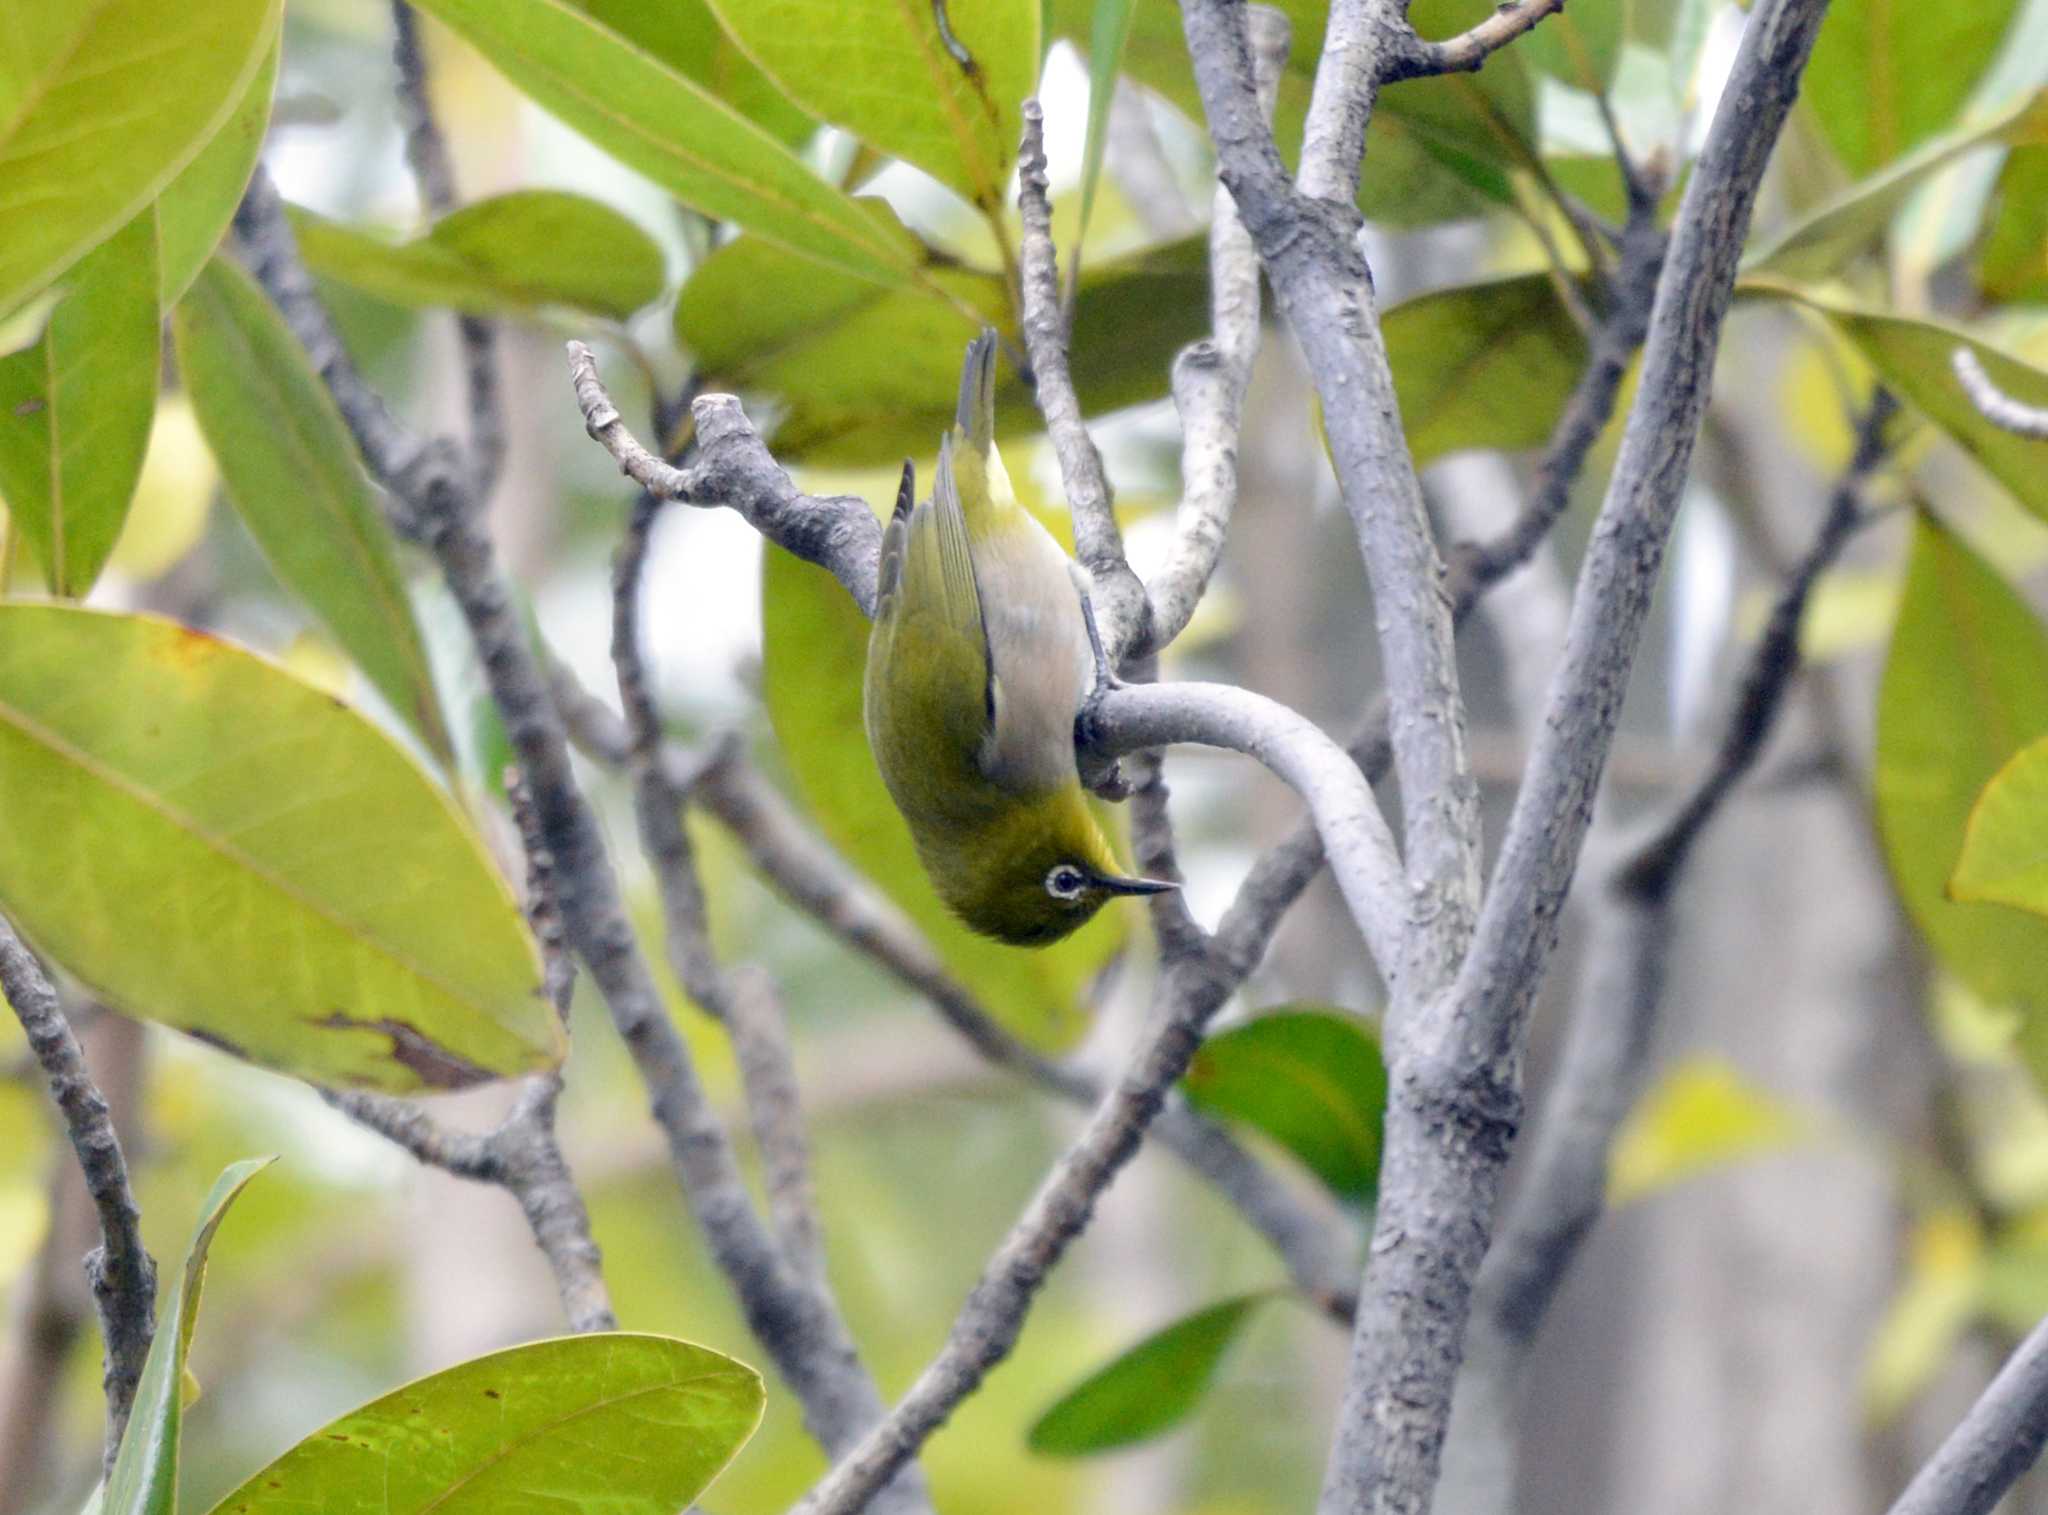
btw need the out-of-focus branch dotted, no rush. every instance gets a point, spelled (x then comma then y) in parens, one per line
(745, 1001)
(426, 152)
(1607, 1048)
(1210, 378)
(1122, 611)
(1997, 1441)
(1998, 407)
(120, 1269)
(1456, 1095)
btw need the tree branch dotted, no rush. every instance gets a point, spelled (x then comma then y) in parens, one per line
(1456, 1071)
(1997, 1441)
(1464, 53)
(1998, 407)
(120, 1269)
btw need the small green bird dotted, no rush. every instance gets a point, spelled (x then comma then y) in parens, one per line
(977, 665)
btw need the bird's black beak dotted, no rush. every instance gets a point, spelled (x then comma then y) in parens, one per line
(1139, 885)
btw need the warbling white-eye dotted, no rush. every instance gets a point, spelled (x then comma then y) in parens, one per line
(977, 666)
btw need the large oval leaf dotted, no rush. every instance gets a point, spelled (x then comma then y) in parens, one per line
(652, 118)
(510, 254)
(883, 69)
(193, 212)
(1888, 74)
(1146, 1390)
(687, 37)
(2005, 849)
(144, 1478)
(1483, 365)
(1310, 1079)
(814, 651)
(208, 842)
(614, 1422)
(75, 409)
(101, 103)
(1965, 687)
(294, 477)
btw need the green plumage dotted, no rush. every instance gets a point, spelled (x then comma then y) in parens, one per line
(976, 668)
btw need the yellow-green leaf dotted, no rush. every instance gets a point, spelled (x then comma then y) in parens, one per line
(814, 650)
(885, 71)
(1888, 74)
(2005, 847)
(687, 37)
(195, 208)
(294, 477)
(1310, 1079)
(1483, 365)
(102, 102)
(1700, 1116)
(1944, 1289)
(1965, 688)
(1915, 357)
(510, 254)
(144, 1478)
(643, 112)
(206, 841)
(1147, 1389)
(611, 1422)
(75, 409)
(2013, 262)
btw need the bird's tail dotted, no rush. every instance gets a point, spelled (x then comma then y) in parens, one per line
(976, 416)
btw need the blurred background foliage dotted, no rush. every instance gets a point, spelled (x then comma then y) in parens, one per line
(1908, 196)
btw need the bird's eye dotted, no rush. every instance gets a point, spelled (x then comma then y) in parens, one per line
(1065, 882)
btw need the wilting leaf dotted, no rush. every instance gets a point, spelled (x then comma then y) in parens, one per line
(144, 1478)
(614, 1422)
(642, 111)
(1700, 1116)
(1148, 1389)
(511, 254)
(1965, 688)
(1310, 1079)
(100, 107)
(75, 409)
(208, 842)
(295, 479)
(885, 71)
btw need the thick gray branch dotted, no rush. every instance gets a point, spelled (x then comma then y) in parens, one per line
(1456, 1100)
(120, 1269)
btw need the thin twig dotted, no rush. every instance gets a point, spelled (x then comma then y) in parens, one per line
(1465, 52)
(1456, 1088)
(1997, 1441)
(120, 1269)
(1122, 611)
(1996, 406)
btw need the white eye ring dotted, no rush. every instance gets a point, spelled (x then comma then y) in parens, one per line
(1065, 882)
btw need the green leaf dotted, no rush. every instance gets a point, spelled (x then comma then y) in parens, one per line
(1483, 365)
(1579, 45)
(195, 208)
(814, 651)
(2013, 262)
(1821, 241)
(1148, 1389)
(867, 376)
(144, 1479)
(2005, 846)
(101, 104)
(1888, 74)
(76, 407)
(1914, 357)
(293, 474)
(1107, 35)
(1701, 1115)
(687, 37)
(883, 70)
(611, 1421)
(1310, 1079)
(1965, 688)
(687, 140)
(511, 254)
(206, 841)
